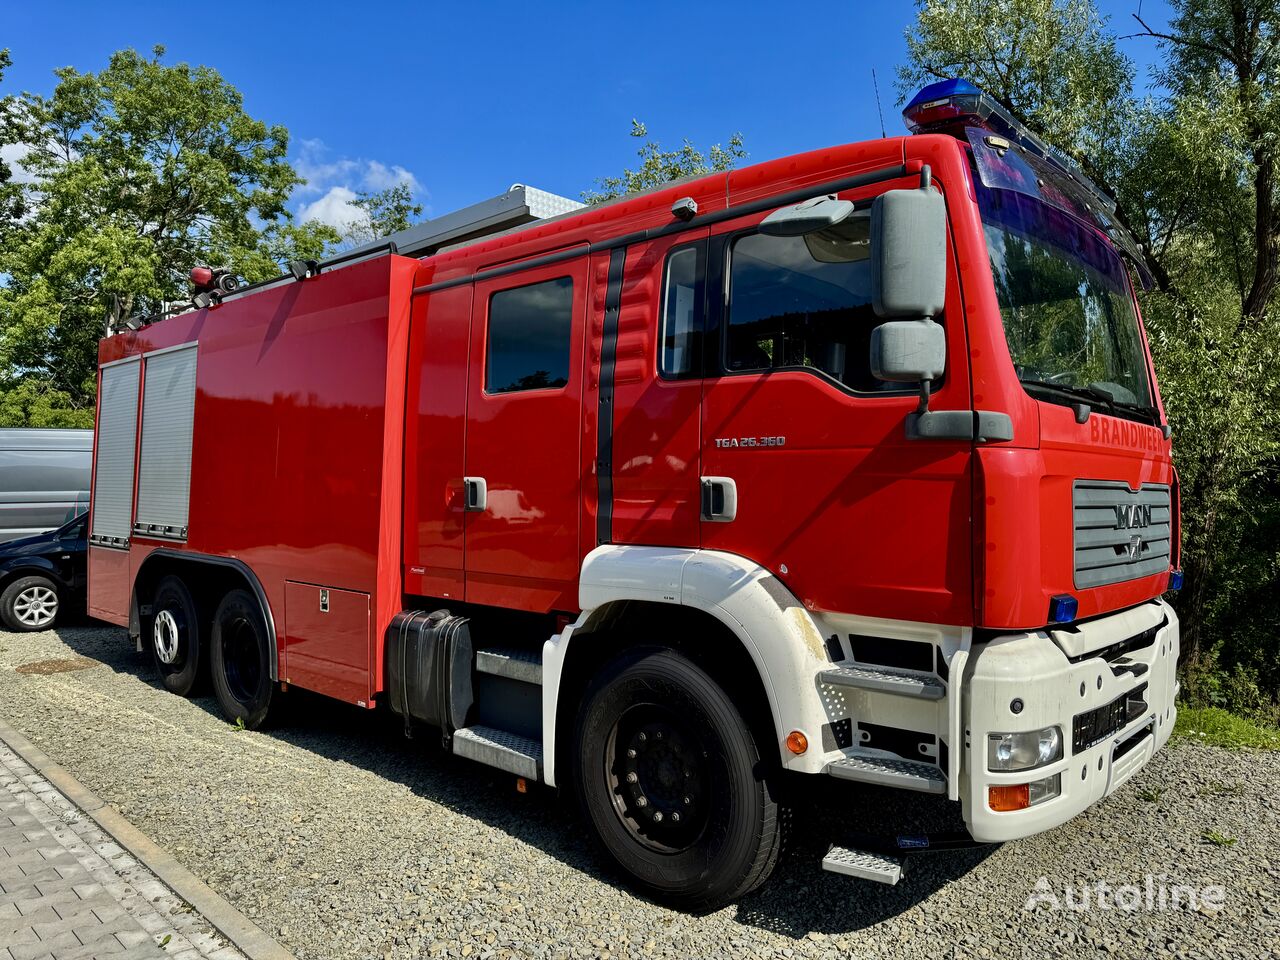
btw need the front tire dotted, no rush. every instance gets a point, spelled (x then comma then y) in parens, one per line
(175, 637)
(240, 660)
(670, 779)
(29, 604)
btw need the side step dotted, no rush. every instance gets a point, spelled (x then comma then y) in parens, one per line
(863, 864)
(890, 772)
(523, 665)
(905, 683)
(498, 748)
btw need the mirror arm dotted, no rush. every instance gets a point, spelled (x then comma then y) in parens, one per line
(926, 177)
(926, 387)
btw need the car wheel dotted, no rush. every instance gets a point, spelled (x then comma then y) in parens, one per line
(174, 635)
(670, 779)
(29, 604)
(240, 660)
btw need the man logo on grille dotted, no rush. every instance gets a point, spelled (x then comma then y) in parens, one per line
(1132, 516)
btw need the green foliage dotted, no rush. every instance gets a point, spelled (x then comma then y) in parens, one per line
(658, 166)
(1050, 62)
(1194, 175)
(138, 173)
(1221, 728)
(384, 212)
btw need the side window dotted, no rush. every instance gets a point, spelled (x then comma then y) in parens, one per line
(682, 312)
(804, 302)
(529, 337)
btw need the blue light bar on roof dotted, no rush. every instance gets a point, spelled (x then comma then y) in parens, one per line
(947, 105)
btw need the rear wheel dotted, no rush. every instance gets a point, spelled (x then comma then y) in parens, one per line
(669, 776)
(29, 604)
(240, 660)
(174, 635)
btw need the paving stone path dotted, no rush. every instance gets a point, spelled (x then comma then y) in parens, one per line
(69, 892)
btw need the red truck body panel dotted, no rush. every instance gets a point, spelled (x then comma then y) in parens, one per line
(296, 466)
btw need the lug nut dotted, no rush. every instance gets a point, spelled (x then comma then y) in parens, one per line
(642, 801)
(632, 778)
(675, 816)
(657, 816)
(631, 753)
(687, 801)
(642, 738)
(658, 735)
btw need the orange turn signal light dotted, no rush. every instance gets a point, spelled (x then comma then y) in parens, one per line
(1010, 796)
(797, 742)
(522, 785)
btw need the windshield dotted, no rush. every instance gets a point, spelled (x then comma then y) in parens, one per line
(1066, 307)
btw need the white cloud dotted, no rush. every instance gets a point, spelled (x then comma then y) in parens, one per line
(12, 155)
(334, 181)
(337, 208)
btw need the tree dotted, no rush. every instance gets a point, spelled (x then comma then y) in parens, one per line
(1194, 174)
(382, 213)
(658, 166)
(137, 173)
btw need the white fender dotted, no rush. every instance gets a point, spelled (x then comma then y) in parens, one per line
(782, 638)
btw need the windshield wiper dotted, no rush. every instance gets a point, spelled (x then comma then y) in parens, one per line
(1092, 396)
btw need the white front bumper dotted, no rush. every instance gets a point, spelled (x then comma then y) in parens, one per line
(1030, 668)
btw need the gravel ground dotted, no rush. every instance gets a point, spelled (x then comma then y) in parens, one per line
(345, 840)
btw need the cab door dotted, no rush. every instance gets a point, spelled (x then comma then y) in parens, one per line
(522, 483)
(831, 495)
(656, 427)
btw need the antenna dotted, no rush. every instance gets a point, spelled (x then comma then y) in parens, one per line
(879, 109)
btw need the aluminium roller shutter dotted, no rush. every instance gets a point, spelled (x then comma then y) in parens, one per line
(113, 470)
(164, 463)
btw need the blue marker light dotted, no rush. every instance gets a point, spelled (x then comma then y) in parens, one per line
(1175, 581)
(1062, 608)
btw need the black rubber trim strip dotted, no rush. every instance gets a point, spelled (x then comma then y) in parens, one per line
(604, 405)
(679, 226)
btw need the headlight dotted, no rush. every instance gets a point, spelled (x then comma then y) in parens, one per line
(1024, 751)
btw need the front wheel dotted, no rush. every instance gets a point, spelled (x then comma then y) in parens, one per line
(29, 604)
(240, 660)
(669, 776)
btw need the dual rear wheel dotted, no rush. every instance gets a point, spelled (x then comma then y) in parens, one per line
(231, 648)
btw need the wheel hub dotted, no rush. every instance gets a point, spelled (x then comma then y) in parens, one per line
(661, 780)
(166, 637)
(36, 606)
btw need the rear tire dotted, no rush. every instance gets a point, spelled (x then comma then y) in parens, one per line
(174, 635)
(240, 660)
(30, 604)
(671, 780)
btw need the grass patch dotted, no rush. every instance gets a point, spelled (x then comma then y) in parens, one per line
(1150, 794)
(1218, 839)
(1219, 728)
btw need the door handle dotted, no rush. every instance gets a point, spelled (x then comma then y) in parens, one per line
(475, 494)
(719, 499)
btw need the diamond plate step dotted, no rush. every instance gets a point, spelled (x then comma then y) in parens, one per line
(523, 665)
(890, 772)
(863, 864)
(905, 683)
(498, 748)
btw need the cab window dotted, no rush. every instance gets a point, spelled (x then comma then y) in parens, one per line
(804, 303)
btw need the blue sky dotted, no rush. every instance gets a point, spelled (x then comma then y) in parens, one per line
(464, 99)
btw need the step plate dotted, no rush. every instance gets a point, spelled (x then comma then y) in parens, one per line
(863, 864)
(888, 772)
(497, 748)
(904, 684)
(522, 665)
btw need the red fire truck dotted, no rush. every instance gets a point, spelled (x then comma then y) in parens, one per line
(849, 464)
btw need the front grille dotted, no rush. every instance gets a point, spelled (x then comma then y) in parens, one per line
(1120, 534)
(1094, 726)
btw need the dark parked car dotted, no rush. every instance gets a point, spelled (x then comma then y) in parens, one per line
(41, 577)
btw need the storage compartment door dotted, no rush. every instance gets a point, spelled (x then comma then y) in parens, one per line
(327, 643)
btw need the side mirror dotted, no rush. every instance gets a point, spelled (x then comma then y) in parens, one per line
(908, 351)
(808, 217)
(909, 253)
